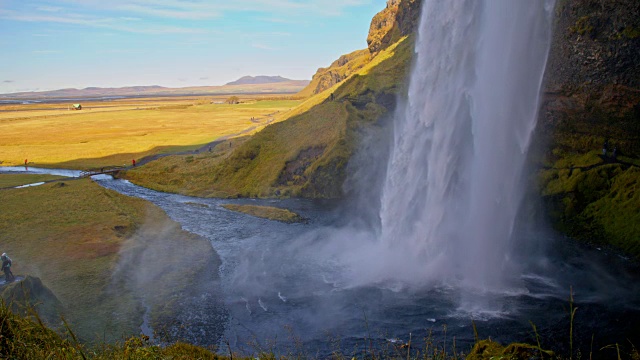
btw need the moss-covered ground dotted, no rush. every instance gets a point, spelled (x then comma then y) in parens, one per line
(85, 243)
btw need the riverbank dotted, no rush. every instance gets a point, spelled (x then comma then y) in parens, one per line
(102, 254)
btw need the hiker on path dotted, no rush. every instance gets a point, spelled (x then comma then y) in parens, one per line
(615, 152)
(6, 267)
(605, 147)
(133, 162)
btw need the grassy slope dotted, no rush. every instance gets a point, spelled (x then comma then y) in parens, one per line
(12, 180)
(104, 137)
(73, 238)
(305, 155)
(340, 69)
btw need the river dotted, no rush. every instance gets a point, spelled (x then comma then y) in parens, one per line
(283, 292)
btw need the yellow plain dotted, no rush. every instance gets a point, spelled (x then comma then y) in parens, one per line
(114, 133)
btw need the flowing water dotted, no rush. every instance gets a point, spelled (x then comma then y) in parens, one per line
(444, 249)
(283, 288)
(454, 186)
(280, 290)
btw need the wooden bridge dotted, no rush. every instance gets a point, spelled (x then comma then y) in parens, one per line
(102, 171)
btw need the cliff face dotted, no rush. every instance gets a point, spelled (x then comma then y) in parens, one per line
(338, 71)
(399, 18)
(593, 99)
(306, 155)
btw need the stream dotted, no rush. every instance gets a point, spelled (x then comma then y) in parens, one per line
(282, 293)
(281, 297)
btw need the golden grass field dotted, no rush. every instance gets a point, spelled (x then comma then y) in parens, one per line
(112, 133)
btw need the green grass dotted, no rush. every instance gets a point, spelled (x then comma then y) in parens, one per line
(81, 239)
(12, 180)
(305, 155)
(266, 212)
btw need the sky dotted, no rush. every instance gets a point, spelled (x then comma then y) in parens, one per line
(48, 45)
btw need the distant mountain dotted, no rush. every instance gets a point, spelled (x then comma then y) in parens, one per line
(86, 92)
(253, 80)
(281, 86)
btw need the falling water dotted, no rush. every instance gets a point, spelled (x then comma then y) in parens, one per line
(454, 178)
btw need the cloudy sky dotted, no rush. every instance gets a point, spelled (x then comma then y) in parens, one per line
(47, 45)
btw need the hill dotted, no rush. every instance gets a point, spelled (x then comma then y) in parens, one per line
(279, 87)
(88, 246)
(398, 19)
(252, 80)
(306, 155)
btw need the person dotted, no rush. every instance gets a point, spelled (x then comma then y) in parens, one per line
(6, 267)
(605, 147)
(615, 152)
(133, 162)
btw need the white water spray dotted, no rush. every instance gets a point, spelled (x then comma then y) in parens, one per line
(453, 185)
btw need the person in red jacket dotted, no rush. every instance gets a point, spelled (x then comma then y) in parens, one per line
(133, 162)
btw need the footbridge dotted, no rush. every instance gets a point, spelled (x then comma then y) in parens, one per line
(102, 171)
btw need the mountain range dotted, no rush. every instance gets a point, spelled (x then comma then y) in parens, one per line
(244, 85)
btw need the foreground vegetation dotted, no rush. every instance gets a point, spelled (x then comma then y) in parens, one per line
(114, 133)
(24, 336)
(87, 244)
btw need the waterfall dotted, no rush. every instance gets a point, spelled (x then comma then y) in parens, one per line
(454, 177)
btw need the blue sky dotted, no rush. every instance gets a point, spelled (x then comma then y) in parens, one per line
(47, 45)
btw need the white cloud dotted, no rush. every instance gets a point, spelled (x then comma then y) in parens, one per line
(98, 22)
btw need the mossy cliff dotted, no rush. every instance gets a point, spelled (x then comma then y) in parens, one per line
(592, 95)
(307, 154)
(398, 19)
(592, 98)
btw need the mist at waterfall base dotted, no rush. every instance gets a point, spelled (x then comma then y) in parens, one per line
(435, 233)
(430, 235)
